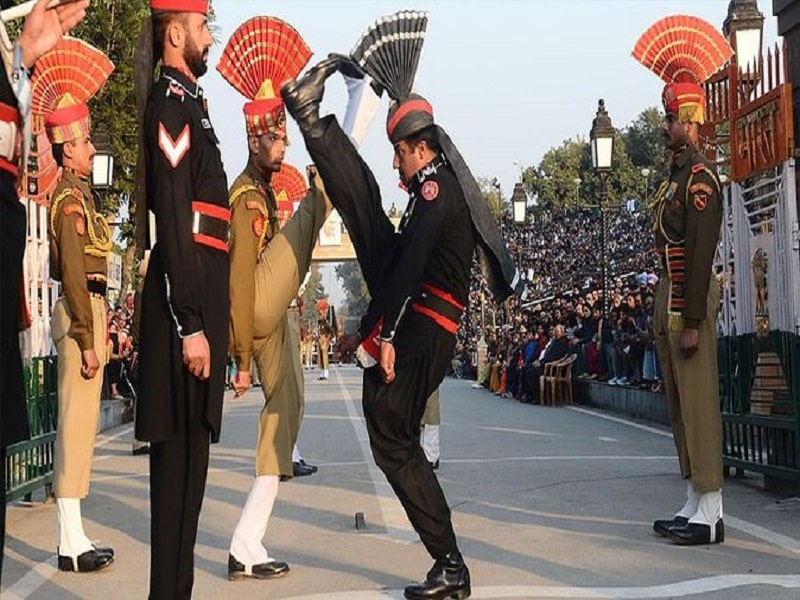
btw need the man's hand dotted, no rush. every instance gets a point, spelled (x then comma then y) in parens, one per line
(89, 364)
(689, 342)
(387, 361)
(347, 343)
(197, 355)
(241, 383)
(44, 27)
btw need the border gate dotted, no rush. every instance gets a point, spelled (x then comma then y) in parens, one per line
(758, 266)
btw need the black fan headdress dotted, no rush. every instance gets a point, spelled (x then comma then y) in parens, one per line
(389, 51)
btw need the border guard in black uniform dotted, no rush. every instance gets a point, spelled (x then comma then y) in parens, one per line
(418, 280)
(185, 297)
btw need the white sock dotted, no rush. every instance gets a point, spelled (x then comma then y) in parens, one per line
(709, 509)
(325, 373)
(72, 540)
(296, 457)
(692, 498)
(246, 546)
(429, 440)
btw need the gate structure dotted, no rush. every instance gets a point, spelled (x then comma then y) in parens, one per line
(758, 263)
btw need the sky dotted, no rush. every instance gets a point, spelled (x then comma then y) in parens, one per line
(508, 79)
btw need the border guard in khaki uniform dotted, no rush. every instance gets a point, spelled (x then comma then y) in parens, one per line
(267, 267)
(687, 214)
(80, 241)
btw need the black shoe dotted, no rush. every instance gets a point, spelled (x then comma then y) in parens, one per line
(303, 462)
(269, 570)
(448, 578)
(141, 450)
(662, 526)
(88, 562)
(303, 97)
(104, 550)
(435, 465)
(697, 534)
(301, 469)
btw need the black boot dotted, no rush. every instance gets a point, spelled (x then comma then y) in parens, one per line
(303, 97)
(448, 578)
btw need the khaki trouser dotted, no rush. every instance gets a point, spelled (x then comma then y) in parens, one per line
(431, 415)
(323, 345)
(78, 402)
(692, 389)
(281, 267)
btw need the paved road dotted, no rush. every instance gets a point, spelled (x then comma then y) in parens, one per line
(547, 503)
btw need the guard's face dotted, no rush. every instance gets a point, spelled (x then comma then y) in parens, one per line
(198, 40)
(676, 134)
(81, 155)
(408, 160)
(270, 151)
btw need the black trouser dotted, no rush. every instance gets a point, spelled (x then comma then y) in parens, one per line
(393, 413)
(178, 470)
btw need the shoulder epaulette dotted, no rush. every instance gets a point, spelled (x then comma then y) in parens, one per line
(241, 191)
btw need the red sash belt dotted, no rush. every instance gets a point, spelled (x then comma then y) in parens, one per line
(440, 306)
(211, 225)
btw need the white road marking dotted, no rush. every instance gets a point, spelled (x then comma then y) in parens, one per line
(392, 514)
(33, 579)
(690, 587)
(599, 415)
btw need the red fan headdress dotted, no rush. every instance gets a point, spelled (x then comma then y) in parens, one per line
(262, 54)
(684, 51)
(289, 187)
(65, 79)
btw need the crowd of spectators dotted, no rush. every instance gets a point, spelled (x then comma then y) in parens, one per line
(119, 370)
(558, 309)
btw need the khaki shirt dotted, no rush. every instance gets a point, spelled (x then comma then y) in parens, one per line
(80, 241)
(687, 215)
(254, 223)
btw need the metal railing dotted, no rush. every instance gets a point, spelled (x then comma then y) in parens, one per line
(760, 392)
(29, 464)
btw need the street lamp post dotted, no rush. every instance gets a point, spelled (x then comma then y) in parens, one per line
(519, 203)
(646, 175)
(577, 182)
(744, 28)
(103, 164)
(602, 139)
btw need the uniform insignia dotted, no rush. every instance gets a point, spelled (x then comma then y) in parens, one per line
(698, 168)
(174, 149)
(255, 205)
(258, 225)
(701, 187)
(80, 227)
(430, 190)
(71, 209)
(700, 201)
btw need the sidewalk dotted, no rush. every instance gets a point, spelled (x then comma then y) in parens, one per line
(547, 503)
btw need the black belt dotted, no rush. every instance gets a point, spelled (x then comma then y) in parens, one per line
(97, 287)
(439, 306)
(206, 225)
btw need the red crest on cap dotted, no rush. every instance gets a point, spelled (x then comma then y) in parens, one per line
(198, 6)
